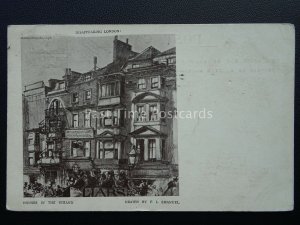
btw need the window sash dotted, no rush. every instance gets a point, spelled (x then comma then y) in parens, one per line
(87, 149)
(140, 112)
(109, 118)
(88, 95)
(152, 148)
(87, 119)
(110, 89)
(107, 150)
(153, 112)
(141, 83)
(154, 82)
(75, 97)
(75, 120)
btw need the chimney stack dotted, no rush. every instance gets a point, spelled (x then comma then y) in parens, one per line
(95, 62)
(126, 40)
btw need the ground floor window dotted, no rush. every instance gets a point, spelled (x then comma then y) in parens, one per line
(87, 149)
(107, 150)
(31, 159)
(81, 149)
(163, 149)
(152, 148)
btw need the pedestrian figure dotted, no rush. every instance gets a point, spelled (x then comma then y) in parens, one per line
(171, 185)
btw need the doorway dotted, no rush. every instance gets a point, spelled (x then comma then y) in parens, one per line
(141, 147)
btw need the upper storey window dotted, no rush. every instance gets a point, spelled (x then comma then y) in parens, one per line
(134, 66)
(87, 77)
(60, 86)
(171, 61)
(154, 82)
(75, 97)
(110, 89)
(141, 83)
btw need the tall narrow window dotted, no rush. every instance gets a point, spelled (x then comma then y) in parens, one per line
(154, 82)
(75, 97)
(117, 88)
(108, 118)
(141, 83)
(87, 149)
(74, 148)
(87, 118)
(88, 95)
(115, 118)
(31, 159)
(75, 120)
(163, 149)
(112, 89)
(153, 113)
(140, 113)
(103, 90)
(152, 148)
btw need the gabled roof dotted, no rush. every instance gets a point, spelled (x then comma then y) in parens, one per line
(106, 133)
(148, 53)
(142, 97)
(147, 131)
(168, 52)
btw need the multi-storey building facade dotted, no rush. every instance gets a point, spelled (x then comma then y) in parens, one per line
(93, 120)
(34, 105)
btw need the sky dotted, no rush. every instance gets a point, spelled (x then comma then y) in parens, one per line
(44, 59)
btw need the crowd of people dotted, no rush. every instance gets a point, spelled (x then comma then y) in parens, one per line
(93, 183)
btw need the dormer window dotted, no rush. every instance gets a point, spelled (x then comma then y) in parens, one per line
(87, 77)
(60, 86)
(171, 61)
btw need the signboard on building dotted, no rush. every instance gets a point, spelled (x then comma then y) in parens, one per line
(74, 134)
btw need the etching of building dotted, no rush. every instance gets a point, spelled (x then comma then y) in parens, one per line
(87, 124)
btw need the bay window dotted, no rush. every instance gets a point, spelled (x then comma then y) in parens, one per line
(110, 89)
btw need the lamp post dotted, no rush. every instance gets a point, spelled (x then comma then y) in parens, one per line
(132, 159)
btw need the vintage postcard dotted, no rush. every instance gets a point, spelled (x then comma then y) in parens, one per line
(150, 117)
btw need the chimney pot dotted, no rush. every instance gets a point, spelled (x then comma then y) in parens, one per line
(95, 62)
(126, 40)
